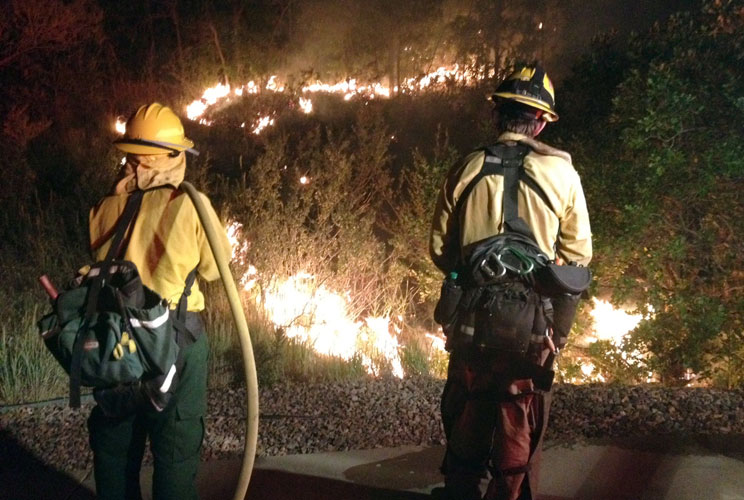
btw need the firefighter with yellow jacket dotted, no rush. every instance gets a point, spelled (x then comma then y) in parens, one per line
(494, 409)
(168, 244)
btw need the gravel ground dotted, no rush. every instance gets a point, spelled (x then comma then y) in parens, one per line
(307, 418)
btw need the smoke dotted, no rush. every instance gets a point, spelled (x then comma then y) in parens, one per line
(339, 38)
(323, 43)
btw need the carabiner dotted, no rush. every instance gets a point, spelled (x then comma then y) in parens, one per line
(523, 259)
(490, 272)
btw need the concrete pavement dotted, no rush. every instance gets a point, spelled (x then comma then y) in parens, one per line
(648, 471)
(589, 472)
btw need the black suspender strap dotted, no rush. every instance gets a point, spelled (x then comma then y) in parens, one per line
(122, 225)
(512, 221)
(183, 301)
(125, 219)
(511, 192)
(491, 166)
(184, 336)
(506, 160)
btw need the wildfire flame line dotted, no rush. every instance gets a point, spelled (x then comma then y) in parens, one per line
(349, 88)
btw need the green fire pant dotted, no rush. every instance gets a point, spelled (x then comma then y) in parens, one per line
(492, 421)
(175, 435)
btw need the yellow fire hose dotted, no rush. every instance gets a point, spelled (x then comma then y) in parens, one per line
(249, 363)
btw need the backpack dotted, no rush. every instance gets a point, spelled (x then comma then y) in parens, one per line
(108, 330)
(502, 295)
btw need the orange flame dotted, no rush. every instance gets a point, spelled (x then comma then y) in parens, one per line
(306, 105)
(611, 323)
(120, 125)
(319, 316)
(348, 88)
(263, 122)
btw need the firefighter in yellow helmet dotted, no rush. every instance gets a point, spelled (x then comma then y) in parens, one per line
(496, 399)
(168, 244)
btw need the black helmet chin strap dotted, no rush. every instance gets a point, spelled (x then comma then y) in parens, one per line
(173, 148)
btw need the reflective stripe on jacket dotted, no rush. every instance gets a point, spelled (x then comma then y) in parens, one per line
(166, 243)
(482, 215)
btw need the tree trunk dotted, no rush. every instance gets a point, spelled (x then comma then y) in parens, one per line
(393, 69)
(220, 54)
(151, 33)
(397, 64)
(179, 41)
(237, 56)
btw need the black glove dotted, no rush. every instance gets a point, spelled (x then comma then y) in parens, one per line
(152, 389)
(560, 342)
(120, 401)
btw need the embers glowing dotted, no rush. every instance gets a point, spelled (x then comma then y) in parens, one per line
(611, 324)
(263, 122)
(209, 97)
(306, 310)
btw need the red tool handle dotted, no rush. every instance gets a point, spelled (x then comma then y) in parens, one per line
(48, 287)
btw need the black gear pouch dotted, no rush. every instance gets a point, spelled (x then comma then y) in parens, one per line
(445, 312)
(564, 313)
(505, 319)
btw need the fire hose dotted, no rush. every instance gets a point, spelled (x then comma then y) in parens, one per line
(249, 364)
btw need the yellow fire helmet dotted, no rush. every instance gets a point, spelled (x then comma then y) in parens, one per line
(532, 87)
(155, 129)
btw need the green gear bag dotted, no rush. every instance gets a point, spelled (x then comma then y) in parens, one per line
(128, 335)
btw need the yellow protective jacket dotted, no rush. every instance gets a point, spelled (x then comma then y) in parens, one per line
(167, 241)
(482, 215)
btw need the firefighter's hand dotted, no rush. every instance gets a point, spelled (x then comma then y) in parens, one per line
(158, 398)
(560, 342)
(121, 400)
(548, 343)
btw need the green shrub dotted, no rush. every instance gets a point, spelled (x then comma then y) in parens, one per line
(662, 171)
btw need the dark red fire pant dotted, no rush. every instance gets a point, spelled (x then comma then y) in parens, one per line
(493, 422)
